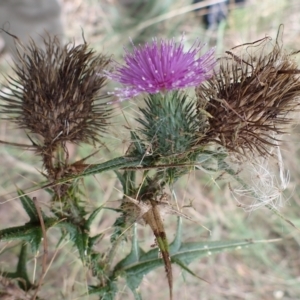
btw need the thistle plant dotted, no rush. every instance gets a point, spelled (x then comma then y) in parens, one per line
(240, 105)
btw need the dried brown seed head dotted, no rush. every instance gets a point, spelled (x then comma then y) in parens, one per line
(56, 93)
(247, 102)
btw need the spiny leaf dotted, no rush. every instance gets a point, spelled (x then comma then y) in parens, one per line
(150, 212)
(36, 240)
(96, 267)
(29, 206)
(107, 292)
(139, 145)
(121, 178)
(91, 218)
(32, 141)
(209, 161)
(127, 180)
(78, 236)
(29, 232)
(135, 271)
(114, 164)
(135, 252)
(81, 242)
(175, 245)
(137, 294)
(191, 251)
(69, 227)
(119, 226)
(93, 240)
(111, 165)
(132, 281)
(21, 272)
(184, 267)
(138, 263)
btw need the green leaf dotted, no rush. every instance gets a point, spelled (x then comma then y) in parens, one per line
(184, 267)
(134, 254)
(49, 191)
(36, 240)
(94, 239)
(175, 245)
(21, 272)
(96, 266)
(111, 165)
(32, 141)
(127, 180)
(211, 161)
(121, 178)
(139, 145)
(137, 295)
(135, 271)
(91, 218)
(137, 255)
(114, 164)
(78, 236)
(29, 206)
(29, 232)
(191, 251)
(81, 242)
(107, 292)
(119, 227)
(138, 263)
(69, 227)
(132, 280)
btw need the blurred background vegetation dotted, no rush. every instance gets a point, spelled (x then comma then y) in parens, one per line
(264, 271)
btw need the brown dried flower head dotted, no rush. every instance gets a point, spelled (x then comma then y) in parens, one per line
(248, 100)
(56, 93)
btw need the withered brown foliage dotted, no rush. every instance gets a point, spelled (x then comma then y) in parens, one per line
(248, 100)
(56, 93)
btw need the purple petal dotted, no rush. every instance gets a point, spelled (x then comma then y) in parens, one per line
(161, 66)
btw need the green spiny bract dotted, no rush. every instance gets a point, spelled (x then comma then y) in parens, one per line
(169, 124)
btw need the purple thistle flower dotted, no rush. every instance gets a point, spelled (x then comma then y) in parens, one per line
(161, 66)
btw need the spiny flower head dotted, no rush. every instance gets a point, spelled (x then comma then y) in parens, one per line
(249, 100)
(161, 66)
(56, 93)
